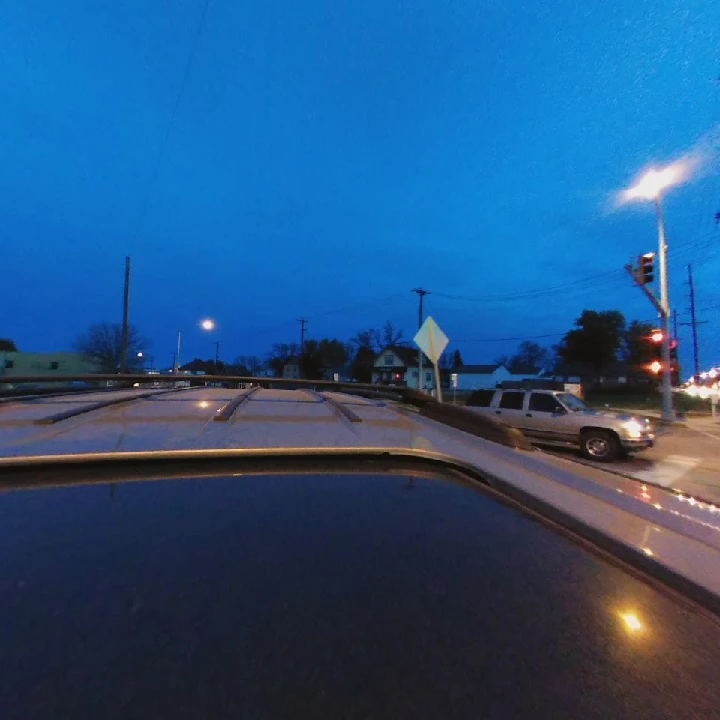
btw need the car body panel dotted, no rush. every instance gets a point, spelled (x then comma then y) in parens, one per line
(684, 536)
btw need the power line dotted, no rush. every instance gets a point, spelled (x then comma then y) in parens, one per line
(509, 339)
(580, 284)
(171, 123)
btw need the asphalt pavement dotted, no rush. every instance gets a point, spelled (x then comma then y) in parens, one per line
(686, 458)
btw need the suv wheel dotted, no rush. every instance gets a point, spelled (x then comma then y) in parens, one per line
(600, 445)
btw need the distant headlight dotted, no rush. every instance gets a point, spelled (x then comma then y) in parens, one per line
(634, 429)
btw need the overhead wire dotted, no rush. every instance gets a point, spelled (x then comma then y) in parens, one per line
(171, 122)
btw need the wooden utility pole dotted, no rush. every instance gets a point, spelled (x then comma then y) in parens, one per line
(303, 323)
(421, 293)
(125, 326)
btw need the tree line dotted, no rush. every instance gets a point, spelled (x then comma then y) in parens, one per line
(597, 340)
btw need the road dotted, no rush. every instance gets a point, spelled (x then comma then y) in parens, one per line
(685, 458)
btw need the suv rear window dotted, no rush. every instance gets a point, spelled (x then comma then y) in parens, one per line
(512, 400)
(481, 398)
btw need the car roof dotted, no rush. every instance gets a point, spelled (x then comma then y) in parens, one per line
(128, 425)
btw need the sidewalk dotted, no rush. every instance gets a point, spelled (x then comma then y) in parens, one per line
(686, 458)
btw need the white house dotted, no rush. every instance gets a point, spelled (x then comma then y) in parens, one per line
(477, 377)
(397, 365)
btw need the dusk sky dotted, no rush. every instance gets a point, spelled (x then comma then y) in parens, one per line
(322, 158)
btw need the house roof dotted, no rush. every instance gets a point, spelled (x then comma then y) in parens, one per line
(615, 369)
(522, 369)
(408, 355)
(477, 369)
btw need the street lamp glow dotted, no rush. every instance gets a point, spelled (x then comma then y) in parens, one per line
(654, 181)
(207, 324)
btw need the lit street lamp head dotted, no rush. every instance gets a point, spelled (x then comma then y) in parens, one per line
(207, 324)
(653, 182)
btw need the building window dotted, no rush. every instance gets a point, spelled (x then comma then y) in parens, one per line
(388, 359)
(9, 364)
(414, 374)
(54, 365)
(428, 377)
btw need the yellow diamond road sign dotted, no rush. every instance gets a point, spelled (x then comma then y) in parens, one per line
(431, 339)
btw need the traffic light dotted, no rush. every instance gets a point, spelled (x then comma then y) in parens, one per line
(646, 268)
(656, 339)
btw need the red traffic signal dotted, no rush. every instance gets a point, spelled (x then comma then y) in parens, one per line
(646, 268)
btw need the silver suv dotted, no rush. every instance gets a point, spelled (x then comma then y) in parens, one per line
(560, 418)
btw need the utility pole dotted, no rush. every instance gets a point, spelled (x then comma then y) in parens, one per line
(668, 413)
(126, 308)
(421, 293)
(675, 324)
(303, 323)
(217, 353)
(696, 359)
(693, 324)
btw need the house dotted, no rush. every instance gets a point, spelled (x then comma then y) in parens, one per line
(477, 377)
(398, 365)
(616, 373)
(338, 373)
(291, 369)
(16, 364)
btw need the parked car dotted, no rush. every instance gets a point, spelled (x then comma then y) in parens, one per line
(560, 418)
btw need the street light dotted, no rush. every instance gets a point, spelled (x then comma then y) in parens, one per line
(206, 324)
(650, 187)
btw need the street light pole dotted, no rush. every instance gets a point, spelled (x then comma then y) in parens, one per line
(177, 354)
(668, 413)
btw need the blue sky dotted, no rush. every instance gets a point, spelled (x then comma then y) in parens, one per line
(327, 157)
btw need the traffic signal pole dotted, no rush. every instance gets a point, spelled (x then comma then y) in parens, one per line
(668, 413)
(642, 275)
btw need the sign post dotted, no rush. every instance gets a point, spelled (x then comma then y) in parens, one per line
(432, 341)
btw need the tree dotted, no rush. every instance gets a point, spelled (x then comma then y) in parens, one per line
(529, 354)
(391, 335)
(8, 345)
(637, 351)
(322, 355)
(208, 367)
(457, 359)
(596, 340)
(251, 364)
(279, 355)
(362, 365)
(369, 338)
(102, 343)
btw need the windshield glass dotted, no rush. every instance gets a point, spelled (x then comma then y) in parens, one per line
(572, 402)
